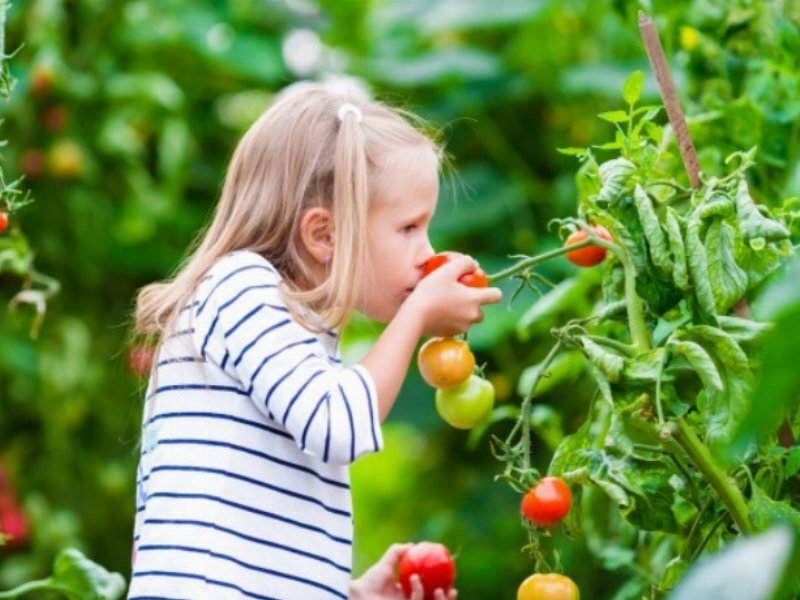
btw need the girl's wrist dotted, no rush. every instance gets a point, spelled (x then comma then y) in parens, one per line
(356, 593)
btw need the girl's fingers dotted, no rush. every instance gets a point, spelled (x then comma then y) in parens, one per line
(417, 591)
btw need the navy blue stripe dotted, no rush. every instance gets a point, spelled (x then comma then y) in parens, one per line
(263, 455)
(250, 538)
(311, 418)
(199, 386)
(204, 579)
(352, 425)
(257, 511)
(154, 598)
(208, 335)
(369, 404)
(298, 393)
(228, 276)
(192, 305)
(221, 416)
(263, 484)
(243, 291)
(258, 337)
(180, 359)
(283, 378)
(328, 429)
(224, 360)
(247, 565)
(273, 355)
(243, 319)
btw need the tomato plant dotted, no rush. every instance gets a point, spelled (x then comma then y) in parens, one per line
(433, 564)
(467, 404)
(548, 502)
(670, 353)
(587, 256)
(548, 586)
(3, 221)
(476, 278)
(445, 362)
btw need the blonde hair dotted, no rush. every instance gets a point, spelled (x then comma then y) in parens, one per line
(297, 155)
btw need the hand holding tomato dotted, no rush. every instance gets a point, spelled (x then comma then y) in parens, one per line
(476, 278)
(379, 581)
(433, 565)
(445, 307)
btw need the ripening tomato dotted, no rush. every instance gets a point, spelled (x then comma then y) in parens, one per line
(33, 162)
(434, 565)
(66, 159)
(445, 362)
(14, 526)
(3, 221)
(42, 79)
(548, 586)
(55, 117)
(475, 279)
(466, 405)
(588, 256)
(548, 502)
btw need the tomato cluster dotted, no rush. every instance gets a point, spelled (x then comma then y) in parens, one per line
(462, 399)
(433, 564)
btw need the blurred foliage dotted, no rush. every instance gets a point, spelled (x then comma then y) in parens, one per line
(123, 118)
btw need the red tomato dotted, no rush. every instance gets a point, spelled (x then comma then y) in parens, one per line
(434, 565)
(548, 502)
(548, 586)
(588, 256)
(14, 527)
(445, 362)
(475, 279)
(3, 221)
(466, 405)
(33, 162)
(41, 80)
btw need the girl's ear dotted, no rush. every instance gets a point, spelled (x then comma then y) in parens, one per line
(316, 231)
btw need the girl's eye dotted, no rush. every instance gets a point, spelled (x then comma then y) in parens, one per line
(409, 228)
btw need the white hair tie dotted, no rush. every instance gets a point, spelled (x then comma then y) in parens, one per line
(350, 108)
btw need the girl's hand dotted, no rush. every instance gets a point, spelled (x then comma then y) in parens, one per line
(446, 307)
(379, 583)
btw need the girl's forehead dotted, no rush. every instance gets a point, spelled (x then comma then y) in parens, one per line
(404, 174)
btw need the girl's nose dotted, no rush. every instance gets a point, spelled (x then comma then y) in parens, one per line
(425, 254)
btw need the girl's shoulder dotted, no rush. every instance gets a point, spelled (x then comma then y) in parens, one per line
(240, 261)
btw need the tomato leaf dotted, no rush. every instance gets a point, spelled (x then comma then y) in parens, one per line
(632, 88)
(728, 280)
(656, 240)
(614, 116)
(752, 223)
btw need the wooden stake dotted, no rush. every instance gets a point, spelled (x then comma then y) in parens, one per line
(658, 61)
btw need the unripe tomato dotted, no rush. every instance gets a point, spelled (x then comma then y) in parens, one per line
(548, 586)
(434, 565)
(466, 405)
(445, 362)
(588, 256)
(3, 221)
(475, 279)
(548, 502)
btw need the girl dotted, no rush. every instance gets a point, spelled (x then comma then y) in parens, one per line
(250, 419)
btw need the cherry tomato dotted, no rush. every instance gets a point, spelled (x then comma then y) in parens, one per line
(33, 162)
(42, 79)
(14, 525)
(434, 565)
(548, 586)
(445, 362)
(475, 279)
(548, 502)
(3, 221)
(66, 159)
(588, 256)
(466, 405)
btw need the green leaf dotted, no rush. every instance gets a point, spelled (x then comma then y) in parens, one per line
(698, 266)
(79, 578)
(579, 152)
(614, 174)
(632, 88)
(766, 512)
(752, 223)
(680, 272)
(614, 116)
(701, 362)
(653, 233)
(609, 363)
(760, 564)
(566, 366)
(728, 281)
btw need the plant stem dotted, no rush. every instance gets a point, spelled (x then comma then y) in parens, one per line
(31, 586)
(535, 260)
(525, 410)
(730, 495)
(640, 335)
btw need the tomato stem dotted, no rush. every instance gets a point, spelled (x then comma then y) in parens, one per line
(525, 411)
(530, 261)
(729, 493)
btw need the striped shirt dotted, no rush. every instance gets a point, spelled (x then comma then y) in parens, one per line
(243, 484)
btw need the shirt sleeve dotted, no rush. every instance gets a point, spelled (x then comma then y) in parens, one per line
(243, 326)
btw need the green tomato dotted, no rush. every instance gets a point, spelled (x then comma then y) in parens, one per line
(467, 404)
